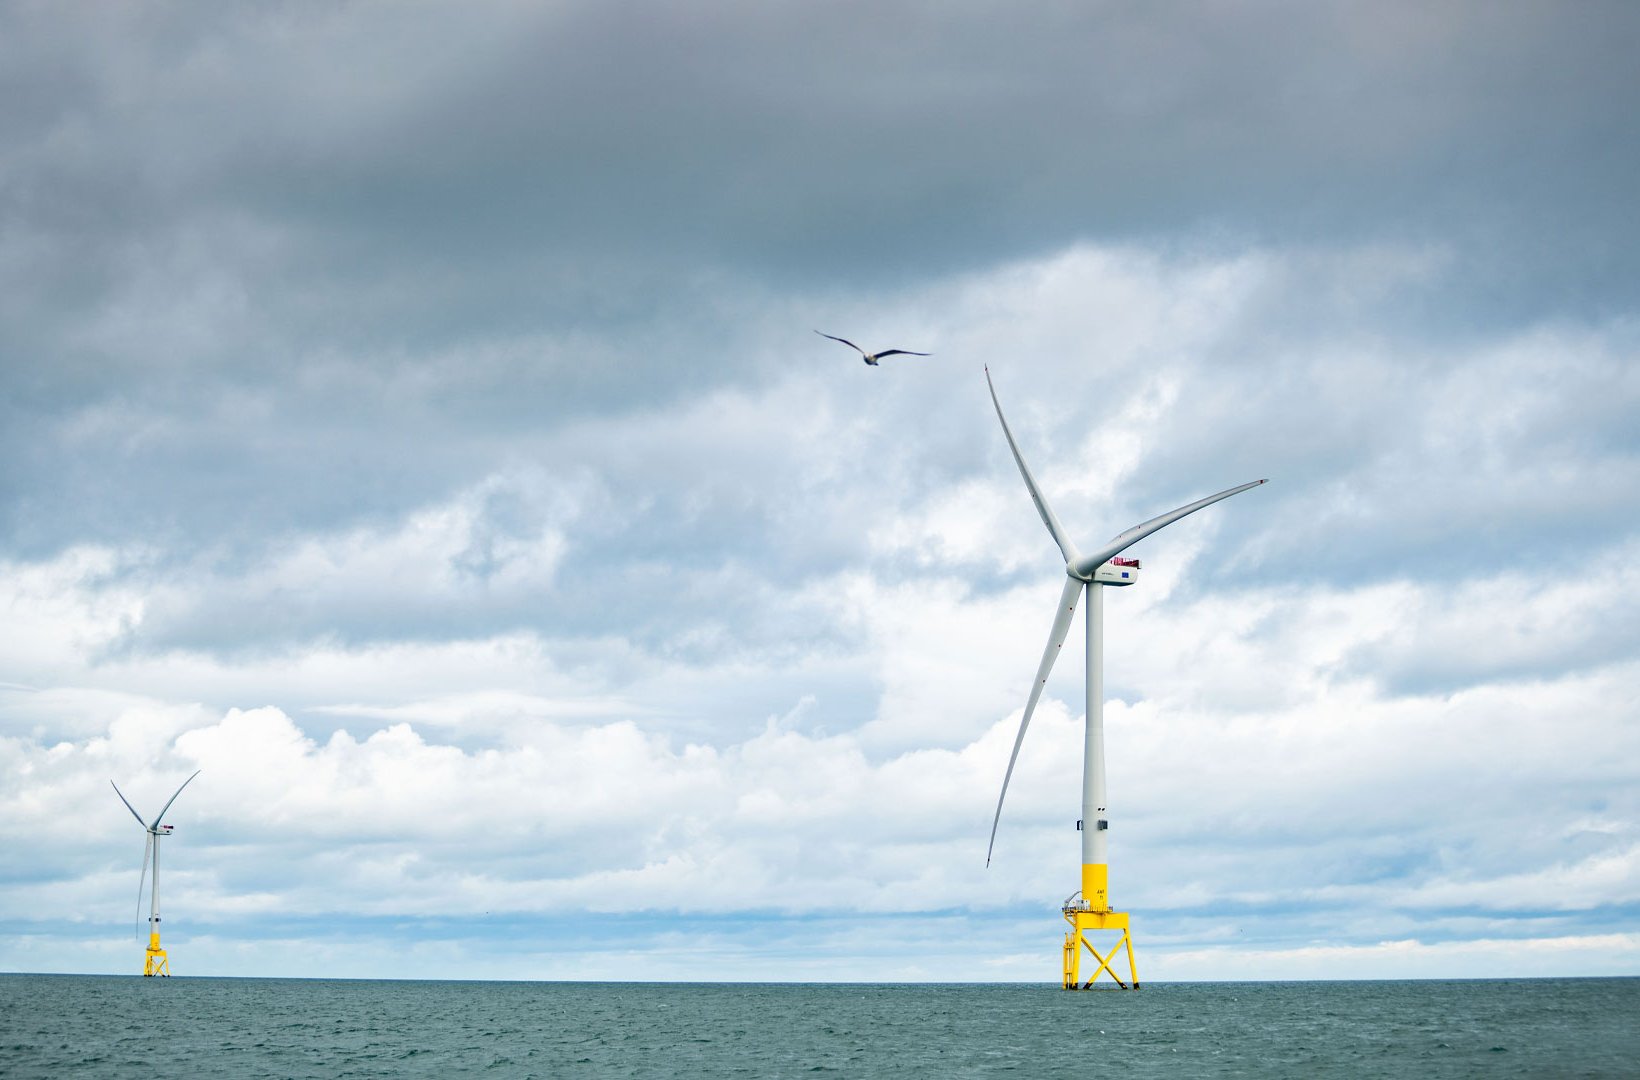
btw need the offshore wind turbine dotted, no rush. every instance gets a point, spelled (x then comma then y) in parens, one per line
(156, 962)
(1088, 909)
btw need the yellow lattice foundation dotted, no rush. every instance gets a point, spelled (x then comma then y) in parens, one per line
(156, 963)
(1090, 913)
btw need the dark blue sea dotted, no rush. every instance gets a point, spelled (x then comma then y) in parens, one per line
(127, 1026)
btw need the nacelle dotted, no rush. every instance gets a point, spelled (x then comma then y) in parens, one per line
(1117, 572)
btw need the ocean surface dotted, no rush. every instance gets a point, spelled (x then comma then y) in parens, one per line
(127, 1026)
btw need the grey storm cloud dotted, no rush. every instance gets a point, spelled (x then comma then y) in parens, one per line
(518, 163)
(503, 216)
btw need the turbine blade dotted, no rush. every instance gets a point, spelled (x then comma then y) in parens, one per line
(128, 805)
(1085, 567)
(1066, 548)
(1056, 639)
(142, 879)
(185, 783)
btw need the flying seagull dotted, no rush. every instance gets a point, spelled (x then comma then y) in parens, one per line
(872, 357)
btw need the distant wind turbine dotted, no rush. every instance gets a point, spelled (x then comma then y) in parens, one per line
(872, 357)
(156, 962)
(1092, 910)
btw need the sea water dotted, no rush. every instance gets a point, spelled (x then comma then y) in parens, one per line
(128, 1026)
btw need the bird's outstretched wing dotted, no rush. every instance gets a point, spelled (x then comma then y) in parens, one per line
(845, 341)
(901, 352)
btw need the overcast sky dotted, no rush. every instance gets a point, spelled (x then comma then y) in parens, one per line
(411, 417)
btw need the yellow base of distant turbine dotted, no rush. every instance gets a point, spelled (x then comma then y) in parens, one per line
(156, 963)
(1092, 913)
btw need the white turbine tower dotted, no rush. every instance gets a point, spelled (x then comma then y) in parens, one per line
(156, 963)
(1090, 908)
